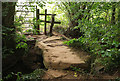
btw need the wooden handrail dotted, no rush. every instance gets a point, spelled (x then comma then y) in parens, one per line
(23, 11)
(47, 14)
(50, 22)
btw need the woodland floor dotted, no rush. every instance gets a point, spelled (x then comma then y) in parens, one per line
(58, 58)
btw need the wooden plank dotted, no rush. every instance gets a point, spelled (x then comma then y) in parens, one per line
(23, 11)
(28, 17)
(47, 14)
(54, 22)
(26, 5)
(50, 22)
(26, 23)
(45, 21)
(36, 16)
(26, 27)
(38, 28)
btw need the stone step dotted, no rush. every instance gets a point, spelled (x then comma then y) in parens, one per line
(58, 56)
(54, 74)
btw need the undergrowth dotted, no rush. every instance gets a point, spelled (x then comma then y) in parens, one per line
(36, 75)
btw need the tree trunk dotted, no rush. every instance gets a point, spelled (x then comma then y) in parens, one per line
(8, 11)
(113, 14)
(119, 14)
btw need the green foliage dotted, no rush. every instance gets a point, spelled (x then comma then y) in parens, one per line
(29, 30)
(101, 37)
(117, 79)
(41, 3)
(6, 52)
(74, 43)
(106, 48)
(34, 30)
(22, 45)
(21, 42)
(9, 30)
(35, 75)
(78, 70)
(8, 76)
(78, 43)
(18, 23)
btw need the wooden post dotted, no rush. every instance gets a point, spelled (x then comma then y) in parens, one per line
(45, 21)
(36, 18)
(38, 28)
(52, 24)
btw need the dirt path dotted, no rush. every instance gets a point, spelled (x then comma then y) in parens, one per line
(58, 57)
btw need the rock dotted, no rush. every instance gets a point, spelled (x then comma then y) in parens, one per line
(52, 74)
(99, 68)
(38, 50)
(58, 56)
